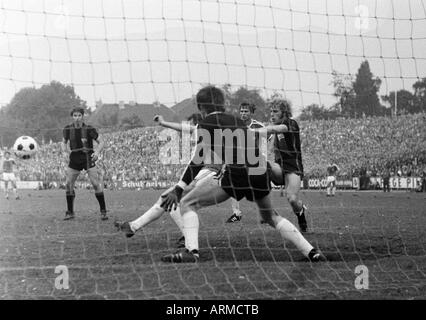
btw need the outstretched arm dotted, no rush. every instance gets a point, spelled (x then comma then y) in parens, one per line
(173, 125)
(272, 128)
(171, 199)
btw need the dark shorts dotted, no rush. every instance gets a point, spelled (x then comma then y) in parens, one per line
(81, 161)
(291, 166)
(240, 185)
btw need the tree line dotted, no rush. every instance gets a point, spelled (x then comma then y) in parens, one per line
(358, 96)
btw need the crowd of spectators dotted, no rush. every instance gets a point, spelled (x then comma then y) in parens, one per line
(366, 146)
(131, 156)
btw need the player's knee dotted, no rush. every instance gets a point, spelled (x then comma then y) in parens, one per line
(269, 217)
(69, 187)
(188, 204)
(97, 187)
(292, 198)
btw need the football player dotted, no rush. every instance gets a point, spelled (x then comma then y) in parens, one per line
(331, 179)
(8, 168)
(129, 228)
(287, 169)
(79, 138)
(235, 180)
(246, 114)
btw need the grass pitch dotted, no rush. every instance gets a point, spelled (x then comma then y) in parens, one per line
(244, 260)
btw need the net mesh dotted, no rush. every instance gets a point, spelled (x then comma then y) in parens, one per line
(129, 53)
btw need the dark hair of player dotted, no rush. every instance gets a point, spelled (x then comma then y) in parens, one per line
(211, 99)
(283, 105)
(77, 110)
(247, 105)
(195, 118)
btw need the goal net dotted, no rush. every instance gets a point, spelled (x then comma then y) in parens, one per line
(129, 60)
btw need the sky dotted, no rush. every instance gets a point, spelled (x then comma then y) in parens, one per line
(153, 50)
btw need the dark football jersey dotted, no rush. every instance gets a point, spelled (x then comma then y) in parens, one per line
(8, 165)
(232, 152)
(81, 139)
(287, 144)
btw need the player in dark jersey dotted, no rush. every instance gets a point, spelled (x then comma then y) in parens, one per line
(386, 179)
(246, 114)
(237, 179)
(7, 169)
(287, 169)
(83, 156)
(331, 179)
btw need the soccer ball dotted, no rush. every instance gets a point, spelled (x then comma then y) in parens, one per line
(25, 147)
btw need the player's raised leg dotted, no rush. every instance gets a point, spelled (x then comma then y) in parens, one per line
(99, 190)
(72, 176)
(131, 227)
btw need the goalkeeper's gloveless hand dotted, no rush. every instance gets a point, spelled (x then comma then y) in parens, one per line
(171, 199)
(95, 156)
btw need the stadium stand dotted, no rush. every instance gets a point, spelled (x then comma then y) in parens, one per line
(364, 146)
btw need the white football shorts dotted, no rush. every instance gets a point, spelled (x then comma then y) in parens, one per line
(9, 176)
(331, 179)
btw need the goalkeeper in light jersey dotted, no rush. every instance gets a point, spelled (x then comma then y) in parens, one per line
(156, 211)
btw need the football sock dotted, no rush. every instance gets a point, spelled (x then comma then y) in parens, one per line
(235, 206)
(289, 232)
(328, 191)
(70, 201)
(101, 199)
(177, 218)
(149, 216)
(191, 225)
(333, 191)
